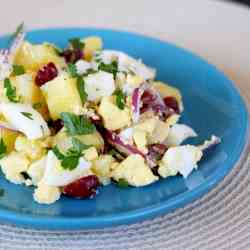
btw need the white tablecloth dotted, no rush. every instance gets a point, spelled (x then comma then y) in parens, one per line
(219, 32)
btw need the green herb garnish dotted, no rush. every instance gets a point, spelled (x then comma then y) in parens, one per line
(72, 70)
(77, 125)
(10, 91)
(111, 68)
(120, 98)
(70, 159)
(18, 70)
(1, 192)
(81, 89)
(19, 29)
(3, 148)
(76, 43)
(122, 183)
(37, 105)
(28, 115)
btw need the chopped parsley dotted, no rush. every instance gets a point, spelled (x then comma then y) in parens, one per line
(122, 183)
(77, 125)
(120, 98)
(111, 68)
(18, 70)
(37, 105)
(70, 159)
(76, 43)
(3, 148)
(81, 89)
(1, 192)
(19, 29)
(72, 70)
(10, 91)
(28, 115)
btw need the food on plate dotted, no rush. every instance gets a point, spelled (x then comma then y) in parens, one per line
(77, 118)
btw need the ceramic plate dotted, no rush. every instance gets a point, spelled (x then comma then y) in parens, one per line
(212, 106)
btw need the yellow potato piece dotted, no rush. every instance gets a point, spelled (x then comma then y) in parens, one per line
(134, 170)
(9, 138)
(62, 95)
(92, 43)
(33, 57)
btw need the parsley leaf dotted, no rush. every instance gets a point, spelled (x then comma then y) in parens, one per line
(71, 158)
(72, 70)
(111, 68)
(57, 152)
(77, 125)
(10, 91)
(76, 43)
(122, 183)
(28, 115)
(18, 70)
(120, 98)
(81, 89)
(78, 145)
(3, 148)
(1, 192)
(37, 105)
(19, 29)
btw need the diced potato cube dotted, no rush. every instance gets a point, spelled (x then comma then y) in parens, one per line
(62, 95)
(90, 154)
(35, 56)
(92, 43)
(36, 170)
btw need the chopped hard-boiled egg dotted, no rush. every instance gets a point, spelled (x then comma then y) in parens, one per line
(25, 119)
(36, 170)
(13, 165)
(56, 175)
(98, 85)
(179, 133)
(113, 117)
(102, 168)
(134, 170)
(182, 159)
(46, 194)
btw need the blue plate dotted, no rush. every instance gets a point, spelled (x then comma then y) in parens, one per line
(212, 106)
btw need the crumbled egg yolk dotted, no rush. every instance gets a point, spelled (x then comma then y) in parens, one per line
(134, 170)
(46, 194)
(113, 117)
(13, 165)
(102, 168)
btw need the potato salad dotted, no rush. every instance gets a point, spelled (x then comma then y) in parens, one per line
(74, 119)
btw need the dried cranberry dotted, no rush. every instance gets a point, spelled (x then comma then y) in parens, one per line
(83, 188)
(172, 103)
(45, 74)
(72, 55)
(147, 97)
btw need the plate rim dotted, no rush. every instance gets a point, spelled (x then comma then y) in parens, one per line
(69, 223)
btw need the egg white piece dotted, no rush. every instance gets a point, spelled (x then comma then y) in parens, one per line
(82, 66)
(55, 175)
(182, 159)
(25, 119)
(127, 63)
(98, 85)
(127, 135)
(179, 133)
